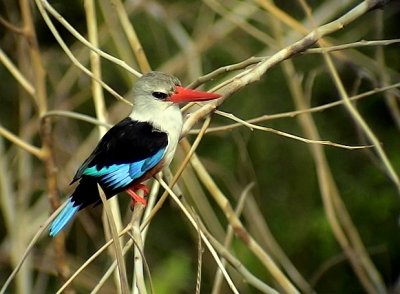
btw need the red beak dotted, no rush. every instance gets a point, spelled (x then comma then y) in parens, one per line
(186, 95)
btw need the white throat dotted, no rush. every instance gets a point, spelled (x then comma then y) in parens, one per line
(164, 116)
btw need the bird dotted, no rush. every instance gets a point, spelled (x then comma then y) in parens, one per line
(134, 149)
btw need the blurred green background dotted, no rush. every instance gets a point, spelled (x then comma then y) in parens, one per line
(188, 39)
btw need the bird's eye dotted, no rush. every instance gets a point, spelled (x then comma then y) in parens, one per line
(159, 95)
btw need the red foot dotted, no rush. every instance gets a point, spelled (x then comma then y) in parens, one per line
(142, 187)
(135, 197)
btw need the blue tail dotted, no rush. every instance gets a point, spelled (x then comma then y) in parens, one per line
(64, 217)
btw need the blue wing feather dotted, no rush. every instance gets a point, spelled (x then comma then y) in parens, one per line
(118, 176)
(152, 161)
(117, 179)
(64, 217)
(93, 171)
(126, 142)
(124, 154)
(113, 177)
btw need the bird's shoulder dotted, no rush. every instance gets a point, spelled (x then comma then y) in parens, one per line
(128, 141)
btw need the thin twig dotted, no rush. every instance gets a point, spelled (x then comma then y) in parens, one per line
(228, 68)
(180, 170)
(117, 243)
(238, 266)
(368, 266)
(200, 257)
(16, 73)
(45, 132)
(80, 38)
(334, 207)
(78, 116)
(238, 227)
(205, 240)
(99, 104)
(362, 43)
(309, 141)
(11, 26)
(21, 143)
(390, 98)
(138, 285)
(131, 36)
(92, 258)
(295, 113)
(254, 74)
(71, 55)
(229, 236)
(361, 122)
(29, 248)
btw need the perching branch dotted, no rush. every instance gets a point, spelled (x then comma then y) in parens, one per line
(253, 74)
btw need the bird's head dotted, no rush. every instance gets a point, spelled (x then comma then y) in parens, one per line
(155, 87)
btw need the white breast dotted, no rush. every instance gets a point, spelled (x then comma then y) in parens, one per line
(164, 116)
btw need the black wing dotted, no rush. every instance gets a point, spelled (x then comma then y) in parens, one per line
(126, 142)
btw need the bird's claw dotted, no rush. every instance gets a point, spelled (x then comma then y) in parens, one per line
(135, 197)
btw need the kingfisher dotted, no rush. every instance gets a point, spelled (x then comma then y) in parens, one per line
(136, 148)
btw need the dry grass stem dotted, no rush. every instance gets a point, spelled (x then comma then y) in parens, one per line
(204, 238)
(361, 122)
(45, 4)
(62, 66)
(229, 236)
(133, 39)
(71, 55)
(374, 276)
(138, 285)
(239, 229)
(330, 194)
(16, 73)
(93, 257)
(78, 116)
(292, 114)
(29, 249)
(253, 126)
(238, 266)
(179, 172)
(20, 143)
(362, 43)
(117, 244)
(200, 257)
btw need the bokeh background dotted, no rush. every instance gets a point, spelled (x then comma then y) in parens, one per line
(286, 211)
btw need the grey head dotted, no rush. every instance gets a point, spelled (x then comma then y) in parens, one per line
(156, 85)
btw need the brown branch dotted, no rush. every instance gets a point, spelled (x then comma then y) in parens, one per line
(239, 229)
(190, 217)
(292, 114)
(45, 131)
(232, 67)
(362, 43)
(11, 26)
(288, 135)
(336, 212)
(16, 73)
(139, 281)
(71, 56)
(255, 73)
(85, 42)
(373, 282)
(117, 244)
(21, 143)
(132, 36)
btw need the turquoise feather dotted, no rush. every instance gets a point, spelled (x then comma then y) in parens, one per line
(115, 176)
(119, 175)
(63, 218)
